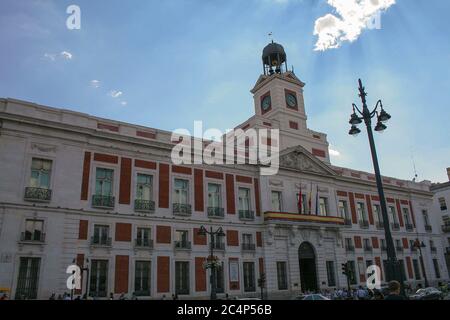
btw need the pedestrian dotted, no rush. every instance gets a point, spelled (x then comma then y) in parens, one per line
(111, 296)
(52, 297)
(163, 297)
(394, 291)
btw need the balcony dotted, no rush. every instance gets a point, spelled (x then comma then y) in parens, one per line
(183, 245)
(103, 202)
(433, 249)
(409, 227)
(246, 215)
(143, 243)
(36, 237)
(368, 249)
(147, 206)
(101, 242)
(364, 224)
(248, 247)
(289, 218)
(446, 228)
(395, 226)
(428, 228)
(216, 212)
(348, 222)
(380, 225)
(182, 209)
(38, 194)
(218, 246)
(350, 248)
(399, 248)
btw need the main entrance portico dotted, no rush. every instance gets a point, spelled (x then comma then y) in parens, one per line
(307, 263)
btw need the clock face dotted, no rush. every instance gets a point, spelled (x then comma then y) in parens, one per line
(291, 100)
(265, 103)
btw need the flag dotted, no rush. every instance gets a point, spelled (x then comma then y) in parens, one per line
(309, 201)
(300, 199)
(317, 201)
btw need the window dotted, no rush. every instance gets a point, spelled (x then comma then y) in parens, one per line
(303, 209)
(383, 244)
(351, 265)
(143, 237)
(142, 278)
(367, 245)
(247, 238)
(330, 274)
(361, 268)
(244, 199)
(33, 230)
(369, 263)
(182, 239)
(182, 277)
(378, 215)
(220, 280)
(40, 173)
(343, 209)
(277, 204)
(361, 211)
(218, 241)
(406, 216)
(426, 220)
(282, 275)
(249, 277)
(442, 204)
(99, 278)
(392, 214)
(104, 182)
(101, 235)
(181, 191)
(323, 206)
(214, 195)
(28, 278)
(436, 268)
(144, 187)
(398, 244)
(416, 269)
(348, 243)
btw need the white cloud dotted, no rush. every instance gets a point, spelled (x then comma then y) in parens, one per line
(123, 103)
(333, 152)
(50, 56)
(115, 93)
(95, 83)
(353, 16)
(66, 55)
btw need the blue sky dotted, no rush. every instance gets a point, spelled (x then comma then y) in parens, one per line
(176, 61)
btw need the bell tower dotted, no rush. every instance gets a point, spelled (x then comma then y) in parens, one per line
(278, 102)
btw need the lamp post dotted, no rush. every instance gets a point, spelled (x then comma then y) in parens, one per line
(219, 232)
(393, 271)
(419, 245)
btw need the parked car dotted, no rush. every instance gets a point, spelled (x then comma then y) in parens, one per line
(427, 294)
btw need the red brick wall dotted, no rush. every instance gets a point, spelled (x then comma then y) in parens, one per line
(231, 207)
(258, 239)
(163, 185)
(121, 276)
(163, 274)
(106, 158)
(198, 190)
(125, 181)
(123, 232)
(243, 179)
(145, 164)
(200, 274)
(261, 266)
(232, 238)
(83, 230)
(163, 234)
(85, 179)
(318, 153)
(293, 125)
(214, 174)
(341, 193)
(375, 243)
(409, 267)
(182, 170)
(358, 243)
(405, 243)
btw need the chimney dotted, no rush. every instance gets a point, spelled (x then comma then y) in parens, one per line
(448, 173)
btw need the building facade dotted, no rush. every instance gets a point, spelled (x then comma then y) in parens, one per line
(106, 196)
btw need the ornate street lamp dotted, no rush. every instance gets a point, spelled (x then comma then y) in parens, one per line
(393, 271)
(419, 245)
(219, 232)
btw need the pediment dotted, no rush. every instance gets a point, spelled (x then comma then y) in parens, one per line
(299, 159)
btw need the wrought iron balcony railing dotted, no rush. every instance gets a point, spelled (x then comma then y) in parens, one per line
(186, 245)
(246, 215)
(428, 228)
(348, 222)
(409, 227)
(143, 243)
(101, 242)
(349, 248)
(364, 224)
(368, 248)
(38, 194)
(103, 202)
(216, 212)
(395, 226)
(380, 225)
(36, 237)
(144, 206)
(248, 247)
(218, 245)
(182, 209)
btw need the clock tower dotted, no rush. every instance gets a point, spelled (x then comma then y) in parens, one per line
(279, 104)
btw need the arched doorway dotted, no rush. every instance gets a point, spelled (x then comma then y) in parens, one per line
(307, 262)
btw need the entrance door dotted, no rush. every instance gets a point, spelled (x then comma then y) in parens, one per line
(28, 279)
(307, 262)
